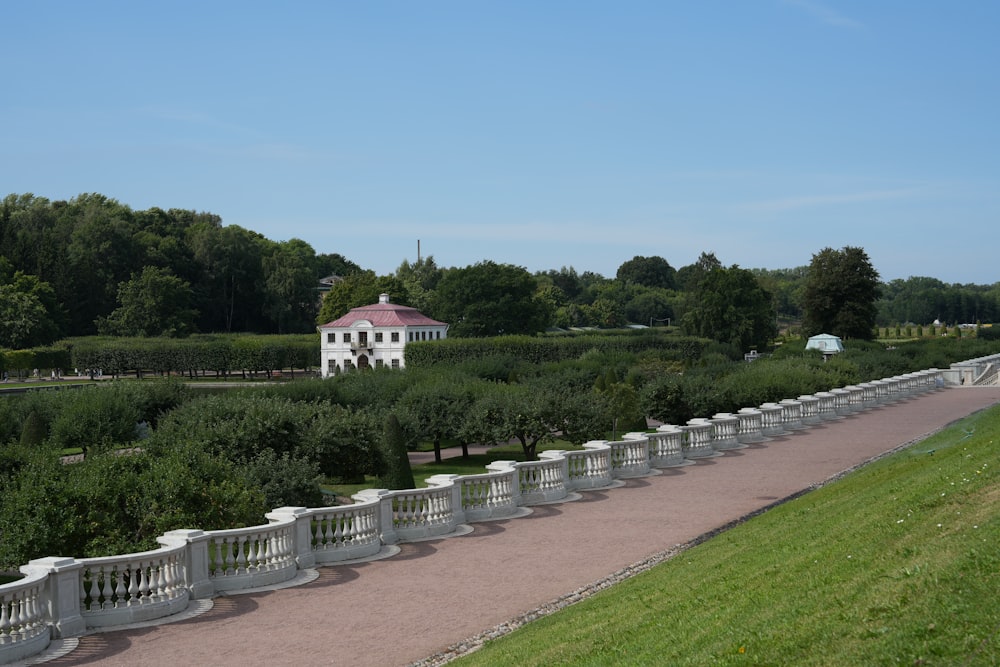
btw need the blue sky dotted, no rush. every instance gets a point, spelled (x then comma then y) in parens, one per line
(539, 133)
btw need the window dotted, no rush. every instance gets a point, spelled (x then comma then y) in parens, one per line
(348, 364)
(363, 337)
(395, 336)
(331, 338)
(331, 366)
(395, 363)
(347, 338)
(437, 335)
(379, 363)
(378, 336)
(411, 336)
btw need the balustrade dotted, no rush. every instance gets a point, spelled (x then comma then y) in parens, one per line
(869, 394)
(344, 533)
(810, 410)
(855, 398)
(750, 426)
(791, 415)
(250, 557)
(63, 597)
(115, 590)
(724, 427)
(418, 513)
(698, 439)
(488, 495)
(630, 457)
(842, 401)
(541, 481)
(827, 408)
(666, 447)
(590, 468)
(24, 628)
(772, 416)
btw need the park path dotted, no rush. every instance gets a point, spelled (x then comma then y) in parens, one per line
(437, 593)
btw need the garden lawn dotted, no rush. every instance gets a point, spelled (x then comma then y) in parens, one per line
(898, 563)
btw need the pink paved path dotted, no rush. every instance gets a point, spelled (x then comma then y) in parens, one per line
(435, 594)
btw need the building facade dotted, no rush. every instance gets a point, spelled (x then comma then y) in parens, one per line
(374, 336)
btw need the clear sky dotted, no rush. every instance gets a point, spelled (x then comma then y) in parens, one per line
(539, 133)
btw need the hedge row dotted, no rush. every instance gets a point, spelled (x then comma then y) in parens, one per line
(197, 355)
(545, 349)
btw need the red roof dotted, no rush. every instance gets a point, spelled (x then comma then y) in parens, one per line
(385, 315)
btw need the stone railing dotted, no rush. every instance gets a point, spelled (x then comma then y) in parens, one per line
(979, 371)
(67, 597)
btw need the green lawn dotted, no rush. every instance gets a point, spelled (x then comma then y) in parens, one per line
(898, 563)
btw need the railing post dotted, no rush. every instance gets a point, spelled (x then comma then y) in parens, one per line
(62, 593)
(302, 549)
(195, 570)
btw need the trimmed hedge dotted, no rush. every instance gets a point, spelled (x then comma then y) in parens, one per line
(197, 355)
(542, 349)
(21, 363)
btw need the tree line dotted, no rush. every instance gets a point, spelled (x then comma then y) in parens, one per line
(92, 265)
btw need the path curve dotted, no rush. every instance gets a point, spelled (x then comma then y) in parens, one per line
(437, 593)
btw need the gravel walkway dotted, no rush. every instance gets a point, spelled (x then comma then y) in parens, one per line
(433, 596)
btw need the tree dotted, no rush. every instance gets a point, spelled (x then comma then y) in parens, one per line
(420, 280)
(360, 289)
(490, 299)
(648, 272)
(730, 306)
(29, 313)
(536, 412)
(435, 407)
(102, 253)
(154, 303)
(841, 290)
(229, 291)
(398, 473)
(689, 276)
(290, 286)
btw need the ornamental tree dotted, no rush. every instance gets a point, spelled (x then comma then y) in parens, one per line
(841, 290)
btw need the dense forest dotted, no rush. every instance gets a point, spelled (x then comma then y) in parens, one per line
(92, 265)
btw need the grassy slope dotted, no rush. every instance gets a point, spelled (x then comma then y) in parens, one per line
(898, 563)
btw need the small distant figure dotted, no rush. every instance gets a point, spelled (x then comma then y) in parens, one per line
(5, 376)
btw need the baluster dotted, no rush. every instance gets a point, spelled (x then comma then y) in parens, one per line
(107, 590)
(126, 597)
(259, 553)
(230, 554)
(4, 620)
(339, 529)
(15, 616)
(143, 574)
(158, 583)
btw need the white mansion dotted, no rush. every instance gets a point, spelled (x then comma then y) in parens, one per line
(374, 335)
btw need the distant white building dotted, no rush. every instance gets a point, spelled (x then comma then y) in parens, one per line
(374, 336)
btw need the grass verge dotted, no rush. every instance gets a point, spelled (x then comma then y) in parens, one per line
(897, 563)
